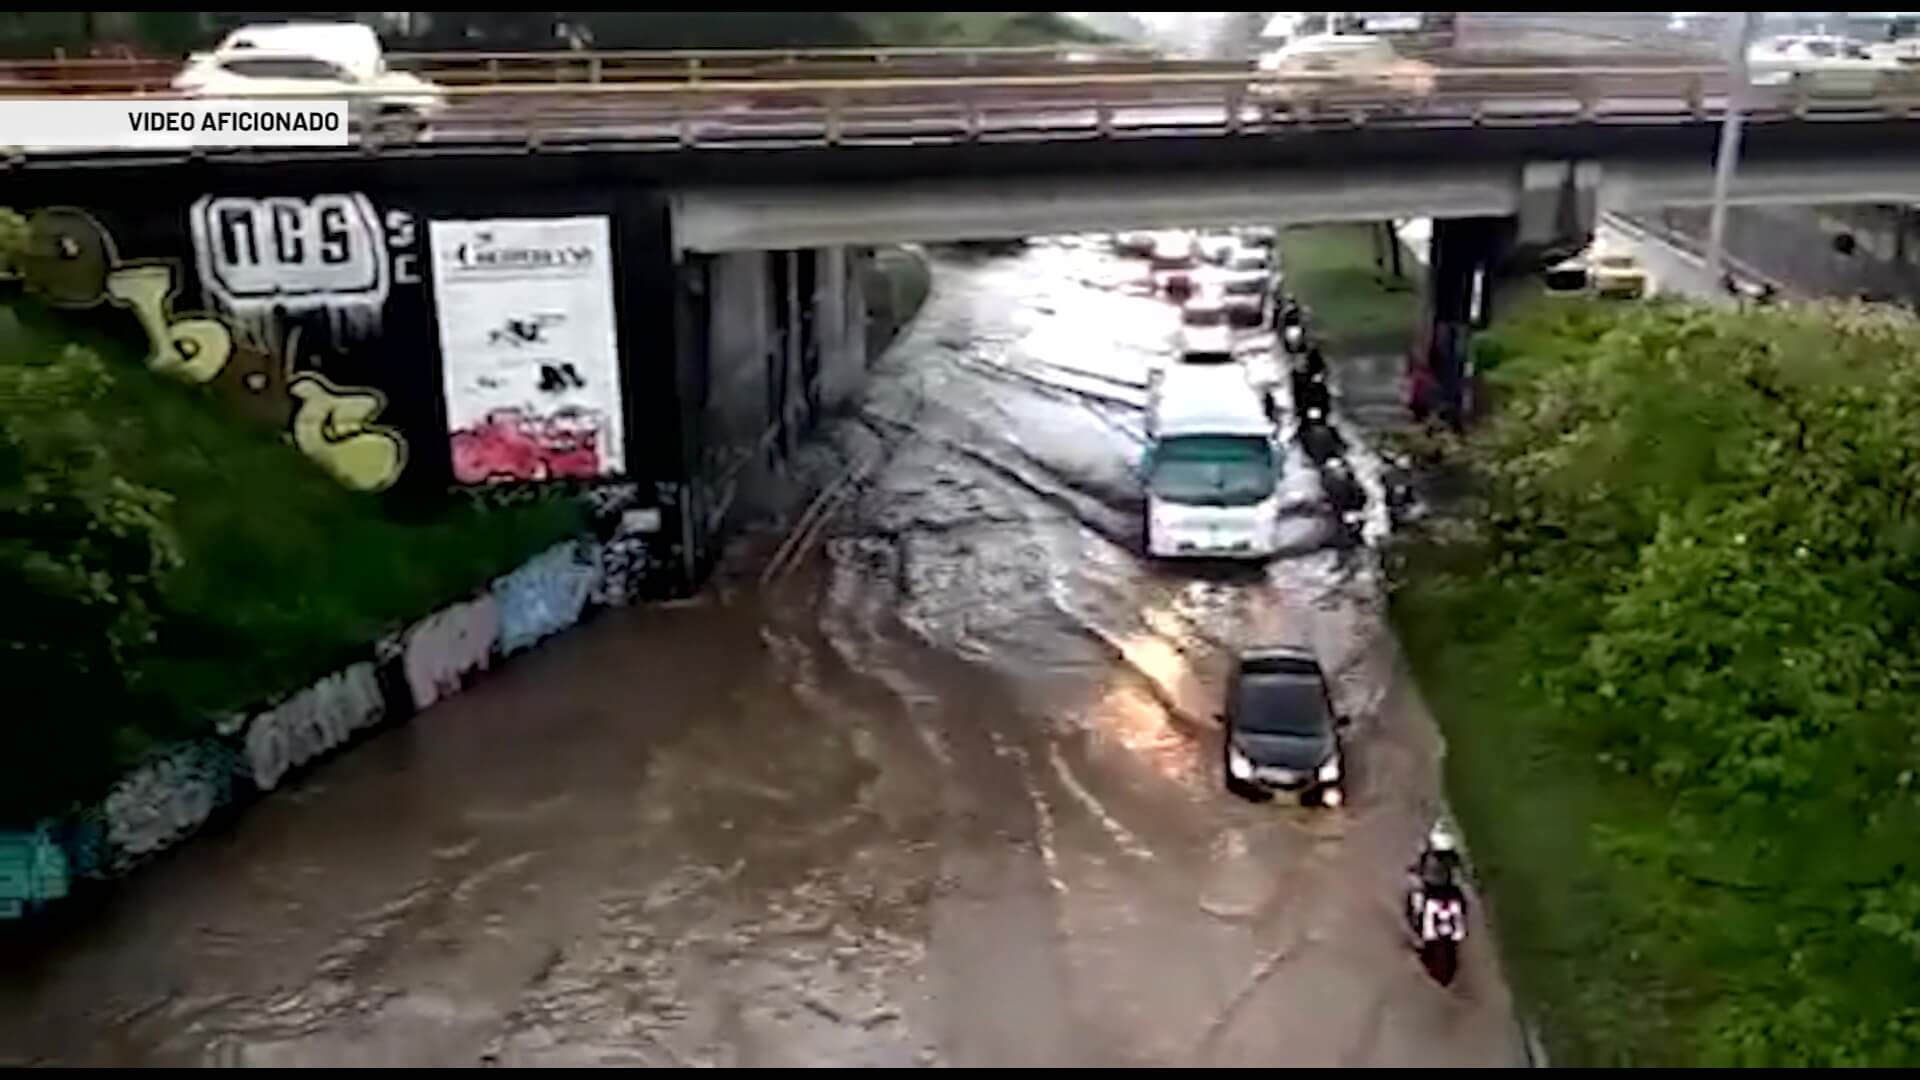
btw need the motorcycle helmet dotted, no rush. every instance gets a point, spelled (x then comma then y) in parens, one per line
(1441, 838)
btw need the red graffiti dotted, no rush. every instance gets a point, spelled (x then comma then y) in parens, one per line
(509, 444)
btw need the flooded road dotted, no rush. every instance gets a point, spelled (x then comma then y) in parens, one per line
(945, 792)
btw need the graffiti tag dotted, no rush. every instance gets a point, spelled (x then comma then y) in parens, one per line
(168, 798)
(297, 253)
(544, 596)
(312, 722)
(33, 871)
(445, 647)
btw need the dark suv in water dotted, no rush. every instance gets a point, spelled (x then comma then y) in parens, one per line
(1282, 734)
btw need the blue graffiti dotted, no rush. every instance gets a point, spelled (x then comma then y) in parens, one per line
(33, 871)
(545, 595)
(169, 798)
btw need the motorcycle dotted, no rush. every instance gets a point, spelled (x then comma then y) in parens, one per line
(1440, 922)
(1436, 905)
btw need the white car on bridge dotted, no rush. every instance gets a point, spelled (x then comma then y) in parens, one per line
(313, 60)
(1822, 63)
(1342, 66)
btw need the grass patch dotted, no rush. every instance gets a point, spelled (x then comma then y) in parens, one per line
(1673, 645)
(1355, 302)
(1604, 983)
(283, 572)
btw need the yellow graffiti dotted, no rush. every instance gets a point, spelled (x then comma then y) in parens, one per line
(70, 260)
(194, 349)
(335, 428)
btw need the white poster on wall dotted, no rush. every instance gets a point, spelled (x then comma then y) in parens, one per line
(528, 348)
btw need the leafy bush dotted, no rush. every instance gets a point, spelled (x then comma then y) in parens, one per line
(1696, 568)
(82, 554)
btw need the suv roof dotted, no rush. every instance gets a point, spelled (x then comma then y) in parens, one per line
(1280, 660)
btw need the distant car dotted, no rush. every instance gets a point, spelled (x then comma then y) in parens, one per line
(1342, 66)
(1825, 64)
(1618, 275)
(1216, 248)
(1261, 236)
(1207, 345)
(1173, 251)
(313, 60)
(1569, 276)
(1173, 261)
(1282, 734)
(1206, 306)
(1136, 243)
(1248, 286)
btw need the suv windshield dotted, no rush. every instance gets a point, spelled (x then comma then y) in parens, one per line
(1277, 704)
(1212, 470)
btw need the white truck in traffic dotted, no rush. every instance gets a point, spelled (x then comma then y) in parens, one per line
(1212, 470)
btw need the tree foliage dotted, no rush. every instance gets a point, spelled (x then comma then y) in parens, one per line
(82, 555)
(1709, 520)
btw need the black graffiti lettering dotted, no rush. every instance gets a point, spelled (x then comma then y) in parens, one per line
(289, 244)
(236, 228)
(555, 378)
(334, 235)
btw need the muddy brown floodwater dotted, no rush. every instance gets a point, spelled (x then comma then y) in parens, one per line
(947, 793)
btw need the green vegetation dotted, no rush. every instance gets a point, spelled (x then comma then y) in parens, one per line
(160, 561)
(1343, 274)
(1674, 641)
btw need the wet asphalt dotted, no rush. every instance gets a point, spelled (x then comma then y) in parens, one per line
(946, 791)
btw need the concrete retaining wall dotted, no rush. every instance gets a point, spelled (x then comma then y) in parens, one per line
(182, 787)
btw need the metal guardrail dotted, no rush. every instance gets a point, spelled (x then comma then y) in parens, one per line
(1071, 104)
(66, 75)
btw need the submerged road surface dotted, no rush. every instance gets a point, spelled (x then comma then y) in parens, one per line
(947, 793)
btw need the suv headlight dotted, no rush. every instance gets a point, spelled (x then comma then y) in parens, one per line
(1237, 764)
(1330, 771)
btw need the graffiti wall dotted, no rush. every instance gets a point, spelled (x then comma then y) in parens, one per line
(178, 789)
(308, 297)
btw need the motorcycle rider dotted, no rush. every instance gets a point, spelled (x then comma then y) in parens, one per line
(1291, 320)
(1311, 398)
(1436, 871)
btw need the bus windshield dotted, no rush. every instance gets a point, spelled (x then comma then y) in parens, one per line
(1212, 470)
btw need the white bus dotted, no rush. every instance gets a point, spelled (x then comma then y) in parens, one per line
(1212, 472)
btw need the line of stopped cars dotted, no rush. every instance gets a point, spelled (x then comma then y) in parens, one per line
(1212, 476)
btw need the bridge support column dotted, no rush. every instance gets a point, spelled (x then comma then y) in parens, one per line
(1464, 254)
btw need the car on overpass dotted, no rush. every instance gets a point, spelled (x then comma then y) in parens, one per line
(309, 61)
(1335, 67)
(1825, 64)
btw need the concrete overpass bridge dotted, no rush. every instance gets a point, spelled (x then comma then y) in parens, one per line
(735, 211)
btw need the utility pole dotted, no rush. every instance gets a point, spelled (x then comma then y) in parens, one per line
(1739, 40)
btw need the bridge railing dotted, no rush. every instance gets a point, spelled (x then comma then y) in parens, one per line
(1066, 105)
(86, 75)
(697, 65)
